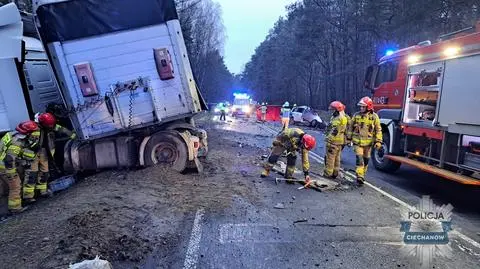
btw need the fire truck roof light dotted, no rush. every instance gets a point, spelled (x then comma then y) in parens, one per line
(452, 51)
(241, 95)
(389, 52)
(413, 59)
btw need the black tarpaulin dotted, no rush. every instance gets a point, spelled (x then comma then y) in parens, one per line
(76, 19)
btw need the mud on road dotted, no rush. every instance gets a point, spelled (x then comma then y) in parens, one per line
(134, 219)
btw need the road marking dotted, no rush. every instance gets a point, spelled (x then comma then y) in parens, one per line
(321, 160)
(191, 258)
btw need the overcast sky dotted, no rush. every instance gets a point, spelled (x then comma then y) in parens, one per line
(247, 23)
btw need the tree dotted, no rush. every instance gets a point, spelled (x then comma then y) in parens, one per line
(320, 50)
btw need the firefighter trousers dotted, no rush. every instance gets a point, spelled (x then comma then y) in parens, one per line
(223, 116)
(277, 151)
(8, 171)
(36, 177)
(363, 154)
(264, 117)
(333, 156)
(285, 122)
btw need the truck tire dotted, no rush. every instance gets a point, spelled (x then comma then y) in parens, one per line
(165, 148)
(380, 162)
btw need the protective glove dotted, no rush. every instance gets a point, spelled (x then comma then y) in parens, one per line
(378, 145)
(307, 179)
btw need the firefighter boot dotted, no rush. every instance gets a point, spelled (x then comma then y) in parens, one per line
(29, 186)
(41, 185)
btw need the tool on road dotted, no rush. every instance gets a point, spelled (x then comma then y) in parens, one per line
(277, 179)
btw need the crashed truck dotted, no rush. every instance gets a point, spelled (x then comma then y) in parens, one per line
(123, 76)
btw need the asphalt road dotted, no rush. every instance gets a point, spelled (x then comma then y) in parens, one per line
(351, 228)
(228, 217)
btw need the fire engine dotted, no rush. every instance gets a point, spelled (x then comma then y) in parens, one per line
(428, 100)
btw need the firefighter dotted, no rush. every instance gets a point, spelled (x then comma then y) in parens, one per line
(335, 139)
(285, 115)
(263, 109)
(291, 141)
(364, 132)
(15, 147)
(223, 110)
(36, 177)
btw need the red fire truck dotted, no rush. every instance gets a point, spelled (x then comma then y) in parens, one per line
(428, 100)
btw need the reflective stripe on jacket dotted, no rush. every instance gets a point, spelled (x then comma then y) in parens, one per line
(15, 145)
(291, 140)
(336, 129)
(365, 129)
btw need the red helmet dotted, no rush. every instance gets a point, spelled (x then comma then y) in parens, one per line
(27, 127)
(47, 120)
(366, 101)
(337, 105)
(308, 141)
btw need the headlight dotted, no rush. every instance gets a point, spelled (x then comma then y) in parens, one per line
(246, 109)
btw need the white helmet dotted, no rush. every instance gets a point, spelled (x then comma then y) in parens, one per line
(263, 104)
(286, 104)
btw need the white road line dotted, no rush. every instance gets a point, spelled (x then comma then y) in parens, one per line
(191, 258)
(321, 160)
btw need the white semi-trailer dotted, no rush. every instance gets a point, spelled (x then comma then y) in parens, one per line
(124, 79)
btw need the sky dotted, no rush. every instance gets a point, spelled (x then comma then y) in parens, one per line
(247, 23)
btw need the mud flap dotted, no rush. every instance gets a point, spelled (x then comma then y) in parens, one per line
(199, 165)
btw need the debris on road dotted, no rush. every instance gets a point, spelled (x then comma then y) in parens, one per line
(279, 206)
(300, 220)
(96, 263)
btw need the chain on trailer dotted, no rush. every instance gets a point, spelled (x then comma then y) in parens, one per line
(94, 102)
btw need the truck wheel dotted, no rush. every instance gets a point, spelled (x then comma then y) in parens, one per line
(165, 148)
(379, 160)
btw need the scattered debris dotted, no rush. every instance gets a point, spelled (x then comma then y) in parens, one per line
(300, 220)
(279, 206)
(293, 197)
(96, 263)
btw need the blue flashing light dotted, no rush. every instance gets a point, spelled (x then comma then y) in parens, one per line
(241, 95)
(389, 52)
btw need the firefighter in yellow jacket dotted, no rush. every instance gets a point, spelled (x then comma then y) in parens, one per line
(335, 139)
(364, 132)
(36, 177)
(14, 147)
(291, 140)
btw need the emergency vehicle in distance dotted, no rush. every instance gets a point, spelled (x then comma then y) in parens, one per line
(242, 105)
(427, 97)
